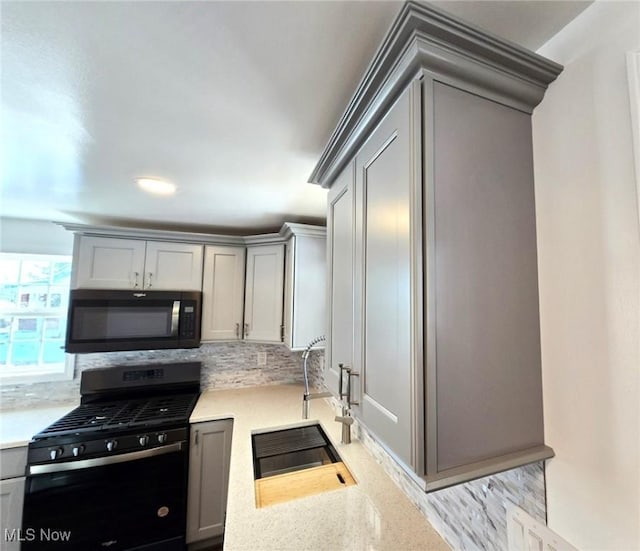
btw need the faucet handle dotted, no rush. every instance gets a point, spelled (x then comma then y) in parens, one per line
(344, 419)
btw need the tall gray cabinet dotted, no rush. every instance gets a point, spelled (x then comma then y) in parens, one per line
(433, 298)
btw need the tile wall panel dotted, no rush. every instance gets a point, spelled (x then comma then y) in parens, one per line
(470, 516)
(224, 365)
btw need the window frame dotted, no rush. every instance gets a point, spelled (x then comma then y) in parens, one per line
(41, 373)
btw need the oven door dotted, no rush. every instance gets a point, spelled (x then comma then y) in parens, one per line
(138, 504)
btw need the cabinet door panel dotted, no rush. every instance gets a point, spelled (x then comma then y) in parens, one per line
(383, 180)
(264, 293)
(288, 315)
(309, 285)
(222, 293)
(209, 462)
(173, 266)
(340, 239)
(11, 501)
(489, 386)
(109, 263)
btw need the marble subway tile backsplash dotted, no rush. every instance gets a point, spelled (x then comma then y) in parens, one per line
(224, 365)
(470, 516)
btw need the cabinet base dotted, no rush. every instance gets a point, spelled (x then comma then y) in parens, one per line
(487, 467)
(211, 544)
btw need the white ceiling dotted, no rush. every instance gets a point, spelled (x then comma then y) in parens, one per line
(232, 101)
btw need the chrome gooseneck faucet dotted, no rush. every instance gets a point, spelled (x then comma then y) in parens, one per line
(307, 396)
(347, 402)
(344, 394)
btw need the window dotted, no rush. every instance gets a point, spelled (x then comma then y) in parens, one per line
(34, 295)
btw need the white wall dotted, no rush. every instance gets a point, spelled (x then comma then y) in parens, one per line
(19, 235)
(589, 268)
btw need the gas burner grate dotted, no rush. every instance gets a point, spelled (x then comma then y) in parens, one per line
(123, 415)
(154, 411)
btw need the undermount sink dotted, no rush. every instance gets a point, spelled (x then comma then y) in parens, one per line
(295, 462)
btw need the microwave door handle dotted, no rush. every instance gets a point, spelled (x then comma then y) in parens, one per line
(175, 318)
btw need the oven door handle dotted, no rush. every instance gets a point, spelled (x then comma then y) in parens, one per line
(102, 461)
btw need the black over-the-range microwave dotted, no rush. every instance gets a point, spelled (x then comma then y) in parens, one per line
(111, 320)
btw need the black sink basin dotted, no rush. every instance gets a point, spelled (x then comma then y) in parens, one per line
(288, 450)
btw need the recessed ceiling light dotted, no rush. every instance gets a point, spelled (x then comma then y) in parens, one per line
(156, 185)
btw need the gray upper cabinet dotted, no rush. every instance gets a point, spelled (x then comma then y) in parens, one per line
(485, 287)
(109, 263)
(171, 266)
(431, 212)
(304, 285)
(114, 263)
(222, 292)
(263, 306)
(340, 270)
(246, 293)
(383, 301)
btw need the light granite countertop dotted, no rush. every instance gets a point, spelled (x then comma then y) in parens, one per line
(373, 515)
(19, 425)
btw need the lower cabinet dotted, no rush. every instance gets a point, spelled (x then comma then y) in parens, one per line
(12, 466)
(209, 460)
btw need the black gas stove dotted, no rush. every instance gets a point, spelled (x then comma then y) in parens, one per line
(113, 472)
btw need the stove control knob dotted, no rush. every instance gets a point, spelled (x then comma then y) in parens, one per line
(77, 450)
(162, 438)
(55, 453)
(144, 440)
(112, 445)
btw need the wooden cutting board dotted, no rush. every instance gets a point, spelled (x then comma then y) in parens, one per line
(288, 486)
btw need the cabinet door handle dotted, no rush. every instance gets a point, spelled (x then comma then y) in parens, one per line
(349, 386)
(237, 330)
(135, 281)
(343, 368)
(246, 330)
(149, 284)
(197, 437)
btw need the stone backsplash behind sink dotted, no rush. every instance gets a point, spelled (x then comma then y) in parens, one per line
(469, 516)
(224, 365)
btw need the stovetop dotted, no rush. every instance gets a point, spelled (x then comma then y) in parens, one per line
(153, 412)
(123, 410)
